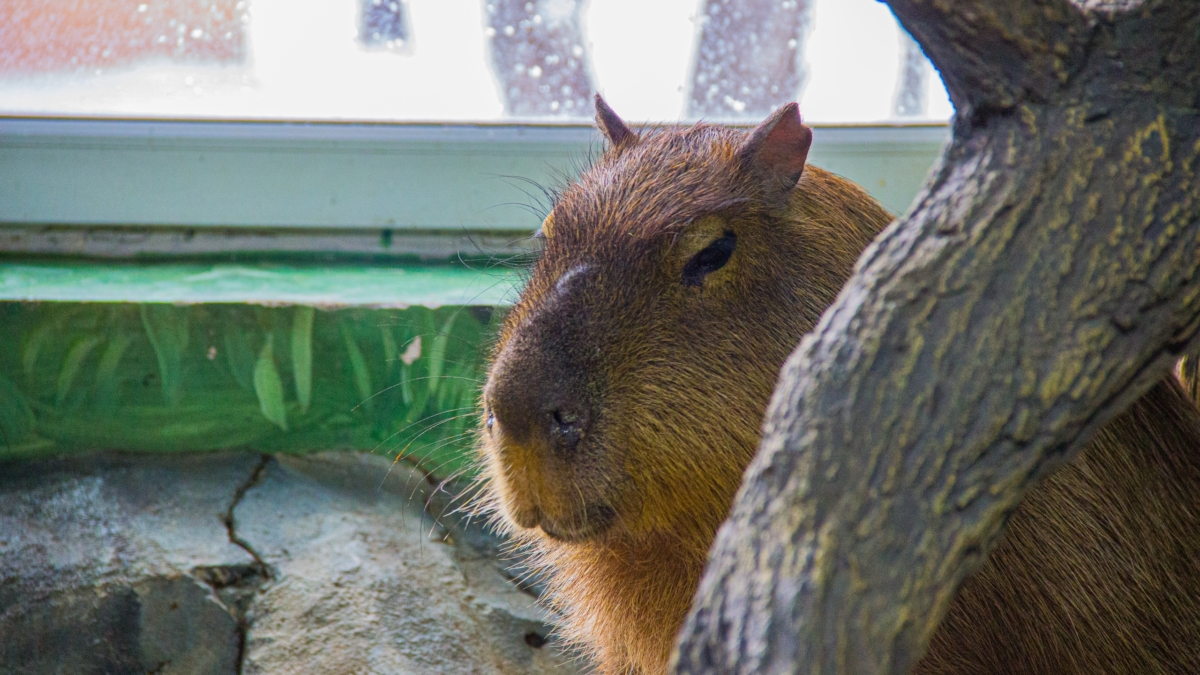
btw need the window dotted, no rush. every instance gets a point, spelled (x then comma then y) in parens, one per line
(406, 127)
(462, 60)
(183, 181)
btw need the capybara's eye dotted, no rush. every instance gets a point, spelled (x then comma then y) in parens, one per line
(712, 258)
(491, 419)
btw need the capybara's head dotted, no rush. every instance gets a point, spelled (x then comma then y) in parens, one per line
(678, 272)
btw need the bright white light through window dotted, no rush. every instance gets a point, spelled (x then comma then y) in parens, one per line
(846, 61)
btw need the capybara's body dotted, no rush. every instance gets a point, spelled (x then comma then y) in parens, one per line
(1099, 570)
(628, 389)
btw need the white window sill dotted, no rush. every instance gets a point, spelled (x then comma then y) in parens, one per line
(100, 186)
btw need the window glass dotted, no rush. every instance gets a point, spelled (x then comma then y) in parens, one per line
(847, 61)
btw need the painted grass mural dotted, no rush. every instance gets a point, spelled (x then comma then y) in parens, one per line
(169, 378)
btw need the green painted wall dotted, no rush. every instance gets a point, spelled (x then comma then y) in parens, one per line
(76, 376)
(262, 283)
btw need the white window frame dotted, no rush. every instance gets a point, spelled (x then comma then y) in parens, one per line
(128, 187)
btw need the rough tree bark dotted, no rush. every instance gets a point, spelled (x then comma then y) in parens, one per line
(1045, 279)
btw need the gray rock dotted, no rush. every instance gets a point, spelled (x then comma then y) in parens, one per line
(96, 555)
(229, 563)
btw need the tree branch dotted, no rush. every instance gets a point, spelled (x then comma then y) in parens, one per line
(994, 53)
(1045, 279)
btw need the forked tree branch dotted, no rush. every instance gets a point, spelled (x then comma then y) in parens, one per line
(993, 53)
(1046, 278)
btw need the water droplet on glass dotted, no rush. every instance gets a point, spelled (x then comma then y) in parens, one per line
(557, 10)
(546, 38)
(197, 33)
(489, 31)
(737, 53)
(143, 8)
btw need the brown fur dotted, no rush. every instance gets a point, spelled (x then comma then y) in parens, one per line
(1098, 573)
(1099, 570)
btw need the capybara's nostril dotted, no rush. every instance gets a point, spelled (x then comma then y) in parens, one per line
(567, 427)
(566, 418)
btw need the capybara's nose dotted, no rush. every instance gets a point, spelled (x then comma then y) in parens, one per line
(531, 422)
(567, 426)
(539, 389)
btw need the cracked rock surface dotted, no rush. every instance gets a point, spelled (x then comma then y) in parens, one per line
(239, 563)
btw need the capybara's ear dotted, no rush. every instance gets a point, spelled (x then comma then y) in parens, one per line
(778, 148)
(613, 127)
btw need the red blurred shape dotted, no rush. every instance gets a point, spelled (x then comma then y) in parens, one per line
(62, 35)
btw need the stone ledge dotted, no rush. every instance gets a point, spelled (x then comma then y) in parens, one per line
(330, 563)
